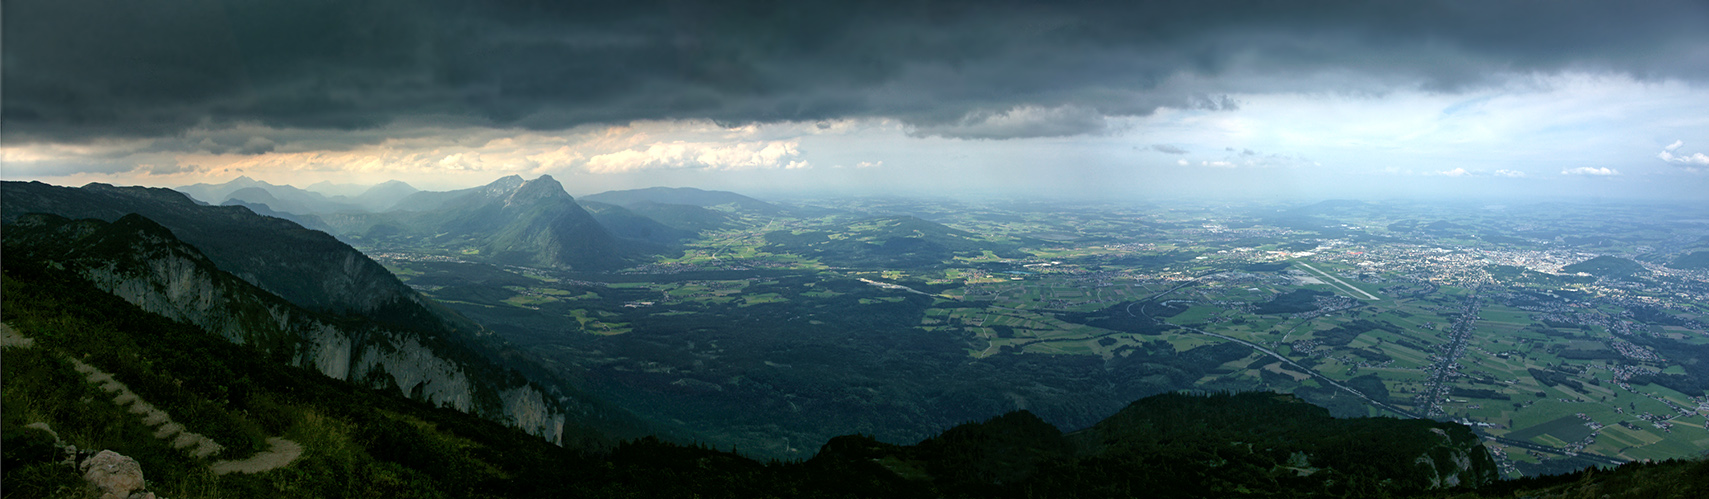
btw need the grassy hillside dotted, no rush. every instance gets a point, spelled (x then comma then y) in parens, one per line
(358, 442)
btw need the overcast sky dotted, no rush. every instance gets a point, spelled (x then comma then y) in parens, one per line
(1064, 99)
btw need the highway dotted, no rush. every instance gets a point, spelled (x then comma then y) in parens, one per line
(1595, 458)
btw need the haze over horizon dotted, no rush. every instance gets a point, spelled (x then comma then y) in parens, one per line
(1506, 100)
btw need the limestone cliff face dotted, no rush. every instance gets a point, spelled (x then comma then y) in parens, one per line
(531, 412)
(142, 263)
(1456, 461)
(419, 371)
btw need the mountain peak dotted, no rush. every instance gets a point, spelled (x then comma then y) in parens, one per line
(390, 187)
(137, 223)
(544, 187)
(501, 187)
(251, 194)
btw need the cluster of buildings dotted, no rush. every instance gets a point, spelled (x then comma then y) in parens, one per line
(415, 257)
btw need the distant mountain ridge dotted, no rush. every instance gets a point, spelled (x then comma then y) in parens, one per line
(307, 267)
(434, 200)
(299, 201)
(625, 223)
(307, 221)
(216, 193)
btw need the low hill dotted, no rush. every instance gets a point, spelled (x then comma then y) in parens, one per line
(683, 216)
(1696, 260)
(625, 223)
(1607, 266)
(686, 196)
(1175, 445)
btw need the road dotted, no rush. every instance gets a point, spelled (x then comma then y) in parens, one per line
(1595, 458)
(899, 287)
(1447, 367)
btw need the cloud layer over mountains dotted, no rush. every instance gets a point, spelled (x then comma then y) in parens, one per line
(84, 69)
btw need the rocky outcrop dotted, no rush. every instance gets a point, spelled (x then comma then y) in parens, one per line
(531, 412)
(116, 476)
(1456, 462)
(422, 373)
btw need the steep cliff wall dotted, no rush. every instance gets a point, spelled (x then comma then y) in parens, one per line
(145, 265)
(1460, 459)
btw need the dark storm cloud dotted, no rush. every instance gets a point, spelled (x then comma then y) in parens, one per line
(78, 69)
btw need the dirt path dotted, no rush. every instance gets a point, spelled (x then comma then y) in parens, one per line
(11, 339)
(164, 428)
(282, 453)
